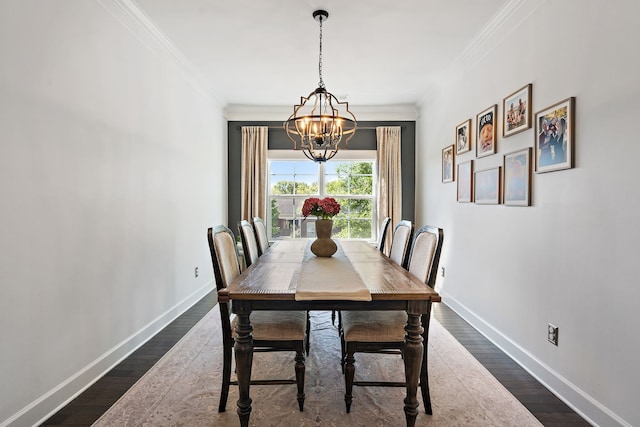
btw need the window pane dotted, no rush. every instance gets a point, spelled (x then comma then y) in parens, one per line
(306, 167)
(336, 184)
(340, 228)
(362, 168)
(308, 228)
(293, 177)
(276, 227)
(281, 167)
(282, 184)
(333, 168)
(349, 178)
(282, 217)
(361, 184)
(307, 184)
(360, 229)
(344, 206)
(360, 208)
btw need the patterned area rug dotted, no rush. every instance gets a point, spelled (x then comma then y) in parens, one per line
(183, 388)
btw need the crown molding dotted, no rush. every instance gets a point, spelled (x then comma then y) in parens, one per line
(129, 14)
(132, 17)
(403, 112)
(483, 38)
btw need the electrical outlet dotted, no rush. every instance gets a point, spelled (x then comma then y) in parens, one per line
(442, 271)
(196, 272)
(552, 334)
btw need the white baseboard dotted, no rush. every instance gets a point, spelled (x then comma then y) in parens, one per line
(582, 403)
(51, 402)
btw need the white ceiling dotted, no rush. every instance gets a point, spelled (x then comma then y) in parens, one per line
(375, 52)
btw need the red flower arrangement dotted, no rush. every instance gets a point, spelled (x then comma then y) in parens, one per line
(322, 208)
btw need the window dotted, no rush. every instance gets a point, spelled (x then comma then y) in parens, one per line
(350, 182)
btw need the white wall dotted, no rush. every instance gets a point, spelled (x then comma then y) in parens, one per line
(112, 166)
(571, 258)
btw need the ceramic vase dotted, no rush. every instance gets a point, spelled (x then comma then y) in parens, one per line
(323, 246)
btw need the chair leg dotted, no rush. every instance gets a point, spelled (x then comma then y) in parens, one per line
(349, 373)
(343, 356)
(308, 337)
(300, 378)
(424, 385)
(226, 378)
(424, 372)
(333, 317)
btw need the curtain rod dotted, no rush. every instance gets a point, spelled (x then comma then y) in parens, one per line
(403, 127)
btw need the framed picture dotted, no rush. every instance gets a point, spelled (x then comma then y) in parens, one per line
(447, 164)
(516, 112)
(487, 186)
(486, 132)
(554, 137)
(465, 182)
(463, 137)
(517, 178)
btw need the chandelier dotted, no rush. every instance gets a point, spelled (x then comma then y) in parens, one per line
(320, 121)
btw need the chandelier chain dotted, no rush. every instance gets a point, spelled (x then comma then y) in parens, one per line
(321, 83)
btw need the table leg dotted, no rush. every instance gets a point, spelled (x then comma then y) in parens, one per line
(413, 349)
(244, 359)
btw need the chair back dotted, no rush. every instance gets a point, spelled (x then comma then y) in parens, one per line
(224, 257)
(382, 236)
(401, 243)
(261, 235)
(249, 243)
(425, 254)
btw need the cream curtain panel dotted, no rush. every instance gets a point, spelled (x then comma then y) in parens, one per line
(254, 172)
(389, 177)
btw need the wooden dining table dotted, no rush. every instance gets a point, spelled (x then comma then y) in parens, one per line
(357, 277)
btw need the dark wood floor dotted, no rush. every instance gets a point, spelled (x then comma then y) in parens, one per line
(91, 404)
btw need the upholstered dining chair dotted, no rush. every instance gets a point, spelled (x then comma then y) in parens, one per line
(382, 236)
(261, 235)
(383, 331)
(250, 240)
(272, 330)
(401, 243)
(249, 243)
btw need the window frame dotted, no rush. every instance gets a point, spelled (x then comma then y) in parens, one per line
(343, 156)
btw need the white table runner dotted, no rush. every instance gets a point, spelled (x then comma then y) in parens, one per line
(332, 278)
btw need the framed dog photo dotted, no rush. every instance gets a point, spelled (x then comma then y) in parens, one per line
(517, 178)
(516, 111)
(447, 164)
(487, 186)
(463, 137)
(465, 182)
(486, 132)
(555, 137)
